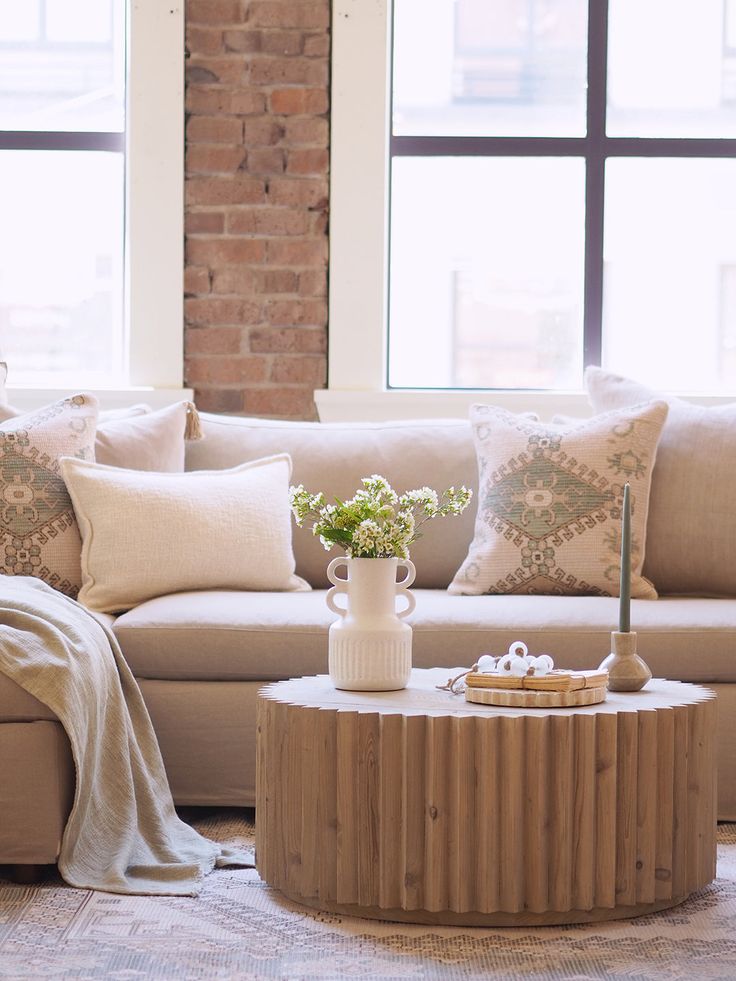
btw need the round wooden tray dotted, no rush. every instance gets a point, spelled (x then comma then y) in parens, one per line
(525, 698)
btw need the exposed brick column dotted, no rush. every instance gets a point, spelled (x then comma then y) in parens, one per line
(256, 175)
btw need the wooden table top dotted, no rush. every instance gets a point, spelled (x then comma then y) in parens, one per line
(421, 697)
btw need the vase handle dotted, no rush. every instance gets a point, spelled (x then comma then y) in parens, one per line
(340, 585)
(402, 587)
(335, 564)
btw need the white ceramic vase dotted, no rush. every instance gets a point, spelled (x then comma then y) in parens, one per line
(369, 645)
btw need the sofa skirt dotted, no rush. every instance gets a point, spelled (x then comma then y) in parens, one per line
(36, 791)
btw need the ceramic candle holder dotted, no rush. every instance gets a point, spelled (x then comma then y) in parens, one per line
(626, 670)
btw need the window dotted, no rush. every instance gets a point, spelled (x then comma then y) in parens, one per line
(558, 188)
(91, 107)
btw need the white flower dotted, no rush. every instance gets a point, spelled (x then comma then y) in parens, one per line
(378, 487)
(375, 522)
(366, 537)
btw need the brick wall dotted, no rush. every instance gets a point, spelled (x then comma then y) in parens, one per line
(256, 177)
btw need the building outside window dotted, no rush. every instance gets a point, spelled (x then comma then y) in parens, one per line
(560, 190)
(62, 188)
(82, 156)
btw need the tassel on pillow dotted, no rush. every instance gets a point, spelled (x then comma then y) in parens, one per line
(192, 429)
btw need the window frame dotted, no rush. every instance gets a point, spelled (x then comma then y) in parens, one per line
(154, 209)
(362, 148)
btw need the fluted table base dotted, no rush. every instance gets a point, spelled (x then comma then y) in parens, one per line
(418, 806)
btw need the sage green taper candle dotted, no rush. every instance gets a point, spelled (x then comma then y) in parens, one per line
(624, 614)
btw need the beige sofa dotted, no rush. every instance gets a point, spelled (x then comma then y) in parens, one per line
(201, 657)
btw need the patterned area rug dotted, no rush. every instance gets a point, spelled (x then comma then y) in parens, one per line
(238, 928)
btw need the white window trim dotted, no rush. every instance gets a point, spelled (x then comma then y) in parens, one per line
(359, 141)
(155, 193)
(154, 210)
(359, 192)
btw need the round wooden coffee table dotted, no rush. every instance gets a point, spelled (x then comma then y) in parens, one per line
(419, 806)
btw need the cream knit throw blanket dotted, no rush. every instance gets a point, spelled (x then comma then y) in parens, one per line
(123, 834)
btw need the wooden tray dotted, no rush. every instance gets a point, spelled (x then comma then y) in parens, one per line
(526, 698)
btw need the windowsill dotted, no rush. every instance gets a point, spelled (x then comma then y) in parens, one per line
(26, 398)
(340, 405)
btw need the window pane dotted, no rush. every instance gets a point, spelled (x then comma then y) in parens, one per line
(669, 286)
(486, 278)
(62, 65)
(672, 68)
(61, 265)
(474, 68)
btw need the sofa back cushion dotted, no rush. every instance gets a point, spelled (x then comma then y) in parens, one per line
(332, 457)
(691, 533)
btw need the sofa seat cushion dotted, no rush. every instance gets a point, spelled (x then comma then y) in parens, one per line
(226, 635)
(238, 636)
(681, 638)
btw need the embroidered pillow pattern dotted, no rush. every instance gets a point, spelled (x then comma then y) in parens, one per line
(39, 535)
(550, 499)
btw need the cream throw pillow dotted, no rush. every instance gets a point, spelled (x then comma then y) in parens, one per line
(145, 441)
(39, 535)
(549, 502)
(691, 533)
(147, 534)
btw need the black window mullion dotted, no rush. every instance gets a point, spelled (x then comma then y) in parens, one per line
(487, 146)
(595, 165)
(49, 140)
(562, 146)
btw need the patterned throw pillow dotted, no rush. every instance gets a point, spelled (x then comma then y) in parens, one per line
(39, 535)
(549, 502)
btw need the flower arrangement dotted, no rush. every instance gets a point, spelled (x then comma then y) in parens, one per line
(377, 522)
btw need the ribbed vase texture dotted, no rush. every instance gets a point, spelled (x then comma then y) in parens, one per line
(369, 645)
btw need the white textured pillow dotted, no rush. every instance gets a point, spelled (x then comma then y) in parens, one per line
(147, 534)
